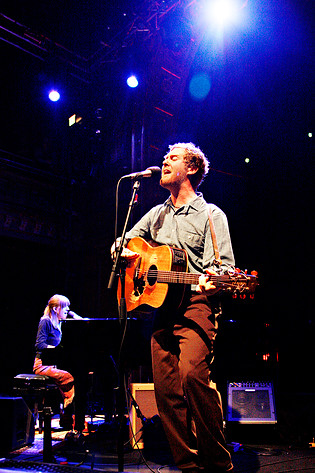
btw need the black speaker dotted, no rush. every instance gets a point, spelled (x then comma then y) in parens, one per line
(17, 424)
(251, 403)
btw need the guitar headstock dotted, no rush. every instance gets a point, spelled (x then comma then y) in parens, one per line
(240, 283)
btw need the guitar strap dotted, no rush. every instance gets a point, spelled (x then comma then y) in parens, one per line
(217, 260)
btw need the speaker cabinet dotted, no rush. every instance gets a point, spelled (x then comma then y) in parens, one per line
(251, 403)
(143, 394)
(17, 424)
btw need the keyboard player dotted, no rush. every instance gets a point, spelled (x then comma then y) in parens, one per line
(48, 358)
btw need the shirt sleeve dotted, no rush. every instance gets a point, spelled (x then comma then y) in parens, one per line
(42, 334)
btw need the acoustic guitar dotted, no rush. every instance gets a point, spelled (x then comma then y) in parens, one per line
(149, 276)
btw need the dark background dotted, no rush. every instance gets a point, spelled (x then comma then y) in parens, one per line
(58, 183)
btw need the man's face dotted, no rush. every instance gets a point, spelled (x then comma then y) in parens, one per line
(174, 168)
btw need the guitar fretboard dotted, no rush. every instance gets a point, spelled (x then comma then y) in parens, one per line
(176, 277)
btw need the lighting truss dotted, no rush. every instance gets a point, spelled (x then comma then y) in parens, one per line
(146, 21)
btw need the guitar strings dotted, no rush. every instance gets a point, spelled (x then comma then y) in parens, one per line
(225, 280)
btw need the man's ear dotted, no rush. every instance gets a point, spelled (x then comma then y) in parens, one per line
(192, 169)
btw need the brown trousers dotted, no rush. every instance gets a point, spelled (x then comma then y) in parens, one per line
(188, 403)
(63, 379)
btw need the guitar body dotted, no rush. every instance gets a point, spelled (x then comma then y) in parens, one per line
(142, 287)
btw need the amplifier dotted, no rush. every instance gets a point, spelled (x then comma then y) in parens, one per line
(143, 394)
(17, 424)
(251, 403)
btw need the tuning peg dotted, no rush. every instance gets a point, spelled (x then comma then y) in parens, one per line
(254, 273)
(242, 296)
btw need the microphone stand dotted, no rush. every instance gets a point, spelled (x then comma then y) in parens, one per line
(121, 264)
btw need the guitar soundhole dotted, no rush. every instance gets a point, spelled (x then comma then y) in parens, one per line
(152, 275)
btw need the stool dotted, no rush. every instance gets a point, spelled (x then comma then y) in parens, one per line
(35, 389)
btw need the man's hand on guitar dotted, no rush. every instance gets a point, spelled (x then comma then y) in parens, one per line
(206, 286)
(129, 255)
(126, 253)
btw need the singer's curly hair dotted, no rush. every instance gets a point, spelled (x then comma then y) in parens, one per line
(196, 159)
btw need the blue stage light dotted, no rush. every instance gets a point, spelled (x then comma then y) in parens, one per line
(132, 81)
(54, 95)
(199, 86)
(223, 12)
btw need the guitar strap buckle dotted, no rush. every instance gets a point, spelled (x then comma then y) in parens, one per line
(217, 263)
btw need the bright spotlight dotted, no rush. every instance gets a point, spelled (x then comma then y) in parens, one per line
(222, 12)
(132, 81)
(54, 95)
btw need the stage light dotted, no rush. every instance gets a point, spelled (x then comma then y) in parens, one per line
(71, 120)
(132, 81)
(199, 86)
(54, 95)
(223, 12)
(74, 119)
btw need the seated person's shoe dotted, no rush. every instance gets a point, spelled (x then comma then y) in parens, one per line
(66, 421)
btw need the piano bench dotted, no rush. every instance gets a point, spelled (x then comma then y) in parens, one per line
(33, 382)
(38, 391)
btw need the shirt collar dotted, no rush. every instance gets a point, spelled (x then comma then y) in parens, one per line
(197, 203)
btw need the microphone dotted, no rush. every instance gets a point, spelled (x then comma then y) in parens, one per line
(147, 173)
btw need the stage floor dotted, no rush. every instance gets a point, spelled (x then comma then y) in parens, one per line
(96, 450)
